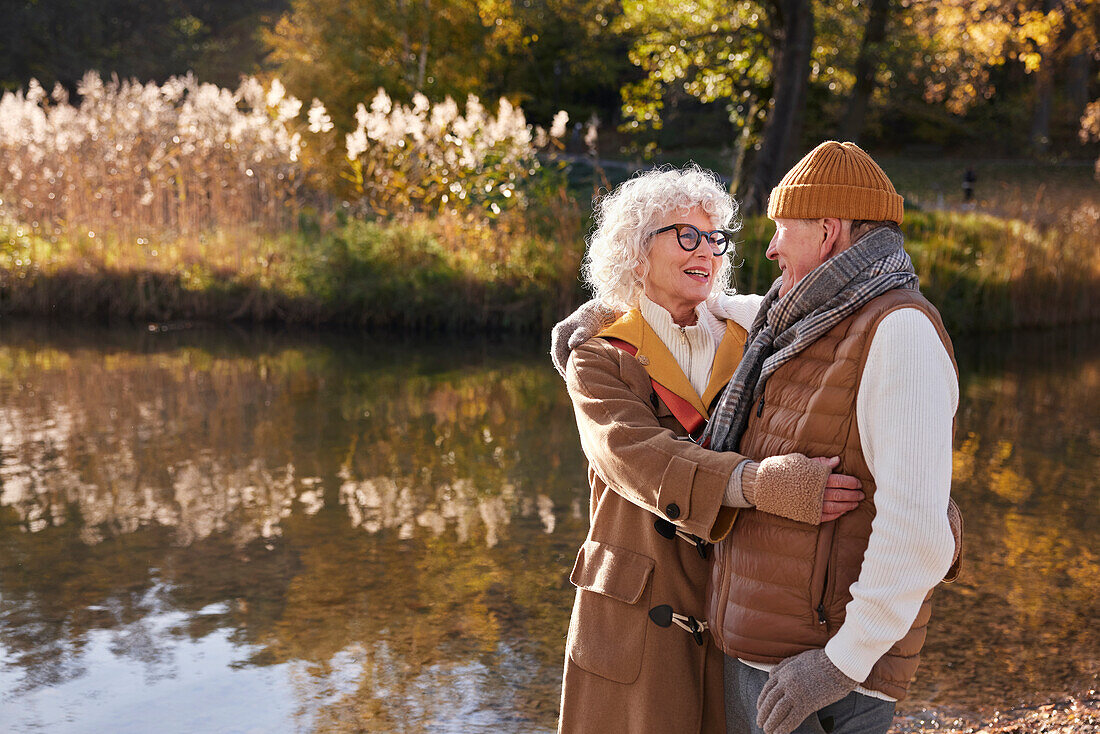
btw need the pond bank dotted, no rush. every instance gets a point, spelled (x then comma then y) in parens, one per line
(421, 276)
(434, 274)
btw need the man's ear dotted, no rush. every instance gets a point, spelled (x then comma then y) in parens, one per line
(833, 242)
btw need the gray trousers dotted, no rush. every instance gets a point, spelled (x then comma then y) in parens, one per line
(853, 714)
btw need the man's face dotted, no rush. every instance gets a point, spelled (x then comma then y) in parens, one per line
(797, 246)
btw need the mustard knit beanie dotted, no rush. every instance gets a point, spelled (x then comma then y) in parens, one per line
(836, 180)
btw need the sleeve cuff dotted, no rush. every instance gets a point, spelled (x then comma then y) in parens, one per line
(849, 656)
(735, 493)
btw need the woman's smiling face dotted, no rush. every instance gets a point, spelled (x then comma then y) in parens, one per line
(679, 280)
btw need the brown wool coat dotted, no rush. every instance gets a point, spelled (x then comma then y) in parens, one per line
(623, 672)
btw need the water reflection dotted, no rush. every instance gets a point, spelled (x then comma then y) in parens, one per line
(384, 526)
(349, 536)
(202, 444)
(1020, 623)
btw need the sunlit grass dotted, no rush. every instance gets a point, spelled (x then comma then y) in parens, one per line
(424, 272)
(1040, 193)
(982, 271)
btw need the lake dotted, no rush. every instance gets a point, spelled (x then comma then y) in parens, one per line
(241, 531)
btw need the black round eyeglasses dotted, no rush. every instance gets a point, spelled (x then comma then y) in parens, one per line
(689, 236)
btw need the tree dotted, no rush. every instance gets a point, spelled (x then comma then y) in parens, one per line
(550, 55)
(1090, 128)
(754, 57)
(866, 69)
(545, 55)
(342, 52)
(791, 50)
(959, 43)
(705, 50)
(59, 41)
(1055, 37)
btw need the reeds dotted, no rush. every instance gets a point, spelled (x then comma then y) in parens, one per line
(134, 169)
(435, 158)
(141, 160)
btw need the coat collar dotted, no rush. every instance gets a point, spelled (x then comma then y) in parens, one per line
(663, 367)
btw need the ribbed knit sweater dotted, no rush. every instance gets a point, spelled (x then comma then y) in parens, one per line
(693, 346)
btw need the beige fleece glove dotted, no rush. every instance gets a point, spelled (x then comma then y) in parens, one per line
(798, 687)
(577, 328)
(791, 486)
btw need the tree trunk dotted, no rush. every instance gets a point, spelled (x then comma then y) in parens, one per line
(794, 24)
(1077, 83)
(406, 42)
(1044, 99)
(425, 44)
(866, 70)
(1039, 137)
(741, 147)
(1078, 66)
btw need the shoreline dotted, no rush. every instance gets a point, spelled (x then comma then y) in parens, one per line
(459, 304)
(1077, 713)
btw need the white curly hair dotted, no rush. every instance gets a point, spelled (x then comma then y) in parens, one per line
(617, 261)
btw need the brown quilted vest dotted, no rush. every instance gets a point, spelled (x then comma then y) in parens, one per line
(779, 587)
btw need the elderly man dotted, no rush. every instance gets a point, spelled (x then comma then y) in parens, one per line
(822, 625)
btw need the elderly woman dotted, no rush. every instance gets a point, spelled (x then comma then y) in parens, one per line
(639, 655)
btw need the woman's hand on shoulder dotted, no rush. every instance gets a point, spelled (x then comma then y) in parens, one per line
(577, 328)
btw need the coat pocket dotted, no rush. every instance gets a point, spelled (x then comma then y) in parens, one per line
(609, 622)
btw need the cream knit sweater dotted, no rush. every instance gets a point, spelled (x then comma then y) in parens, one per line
(693, 346)
(904, 409)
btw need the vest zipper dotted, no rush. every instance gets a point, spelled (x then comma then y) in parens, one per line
(760, 410)
(820, 582)
(822, 621)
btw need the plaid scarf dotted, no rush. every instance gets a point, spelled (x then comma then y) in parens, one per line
(783, 327)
